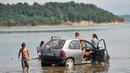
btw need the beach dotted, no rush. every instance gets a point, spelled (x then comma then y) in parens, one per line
(67, 24)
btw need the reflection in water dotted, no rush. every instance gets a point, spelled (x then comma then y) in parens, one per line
(86, 68)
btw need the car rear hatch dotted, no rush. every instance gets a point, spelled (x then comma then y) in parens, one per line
(52, 51)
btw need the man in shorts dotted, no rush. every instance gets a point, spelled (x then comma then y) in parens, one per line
(25, 57)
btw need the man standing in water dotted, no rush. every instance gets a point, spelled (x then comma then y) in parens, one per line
(77, 36)
(25, 57)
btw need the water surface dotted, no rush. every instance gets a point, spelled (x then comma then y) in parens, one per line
(116, 37)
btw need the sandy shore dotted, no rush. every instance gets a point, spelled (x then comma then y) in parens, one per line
(82, 23)
(90, 23)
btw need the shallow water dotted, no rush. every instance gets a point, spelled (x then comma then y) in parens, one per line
(116, 37)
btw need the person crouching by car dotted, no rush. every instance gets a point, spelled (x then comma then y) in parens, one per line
(86, 54)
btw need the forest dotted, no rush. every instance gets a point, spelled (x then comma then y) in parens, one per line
(53, 13)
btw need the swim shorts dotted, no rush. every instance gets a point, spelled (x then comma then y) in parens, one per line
(24, 62)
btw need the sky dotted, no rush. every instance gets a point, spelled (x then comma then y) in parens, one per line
(118, 7)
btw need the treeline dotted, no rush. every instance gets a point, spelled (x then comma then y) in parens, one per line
(23, 14)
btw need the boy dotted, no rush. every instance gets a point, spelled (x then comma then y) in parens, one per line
(25, 57)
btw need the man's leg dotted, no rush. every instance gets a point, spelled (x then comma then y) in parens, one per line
(27, 65)
(23, 70)
(28, 69)
(23, 66)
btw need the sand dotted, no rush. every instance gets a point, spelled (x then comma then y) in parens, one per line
(81, 23)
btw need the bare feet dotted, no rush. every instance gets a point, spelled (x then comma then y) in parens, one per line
(27, 71)
(23, 70)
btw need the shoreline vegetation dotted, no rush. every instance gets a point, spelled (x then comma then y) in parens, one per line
(54, 14)
(67, 24)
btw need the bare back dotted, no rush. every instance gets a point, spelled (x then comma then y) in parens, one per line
(80, 37)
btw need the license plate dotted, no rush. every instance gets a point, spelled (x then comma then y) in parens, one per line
(50, 54)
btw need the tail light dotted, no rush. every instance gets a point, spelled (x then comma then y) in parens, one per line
(62, 53)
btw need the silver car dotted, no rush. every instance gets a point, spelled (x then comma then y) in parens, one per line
(69, 51)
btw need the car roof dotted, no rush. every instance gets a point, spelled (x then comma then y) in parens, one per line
(69, 39)
(59, 38)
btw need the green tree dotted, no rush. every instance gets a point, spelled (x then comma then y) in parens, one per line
(23, 14)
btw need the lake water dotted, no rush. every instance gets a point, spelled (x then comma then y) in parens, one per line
(117, 39)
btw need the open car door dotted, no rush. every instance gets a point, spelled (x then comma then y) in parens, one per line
(101, 53)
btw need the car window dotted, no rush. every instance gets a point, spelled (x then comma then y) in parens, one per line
(85, 44)
(89, 46)
(55, 44)
(74, 44)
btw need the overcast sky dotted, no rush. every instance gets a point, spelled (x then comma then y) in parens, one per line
(118, 7)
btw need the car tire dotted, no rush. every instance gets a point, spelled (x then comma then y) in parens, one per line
(43, 64)
(69, 62)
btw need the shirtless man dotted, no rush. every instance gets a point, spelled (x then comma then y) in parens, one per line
(25, 57)
(77, 36)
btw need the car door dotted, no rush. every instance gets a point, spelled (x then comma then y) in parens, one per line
(101, 49)
(101, 44)
(75, 51)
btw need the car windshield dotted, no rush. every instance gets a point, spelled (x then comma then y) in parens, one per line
(55, 44)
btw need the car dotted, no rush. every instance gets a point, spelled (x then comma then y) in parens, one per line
(69, 51)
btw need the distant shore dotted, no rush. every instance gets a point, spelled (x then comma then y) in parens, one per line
(82, 23)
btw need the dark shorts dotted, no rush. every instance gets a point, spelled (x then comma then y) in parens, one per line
(24, 62)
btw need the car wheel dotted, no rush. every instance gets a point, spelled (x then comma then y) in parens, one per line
(69, 62)
(43, 64)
